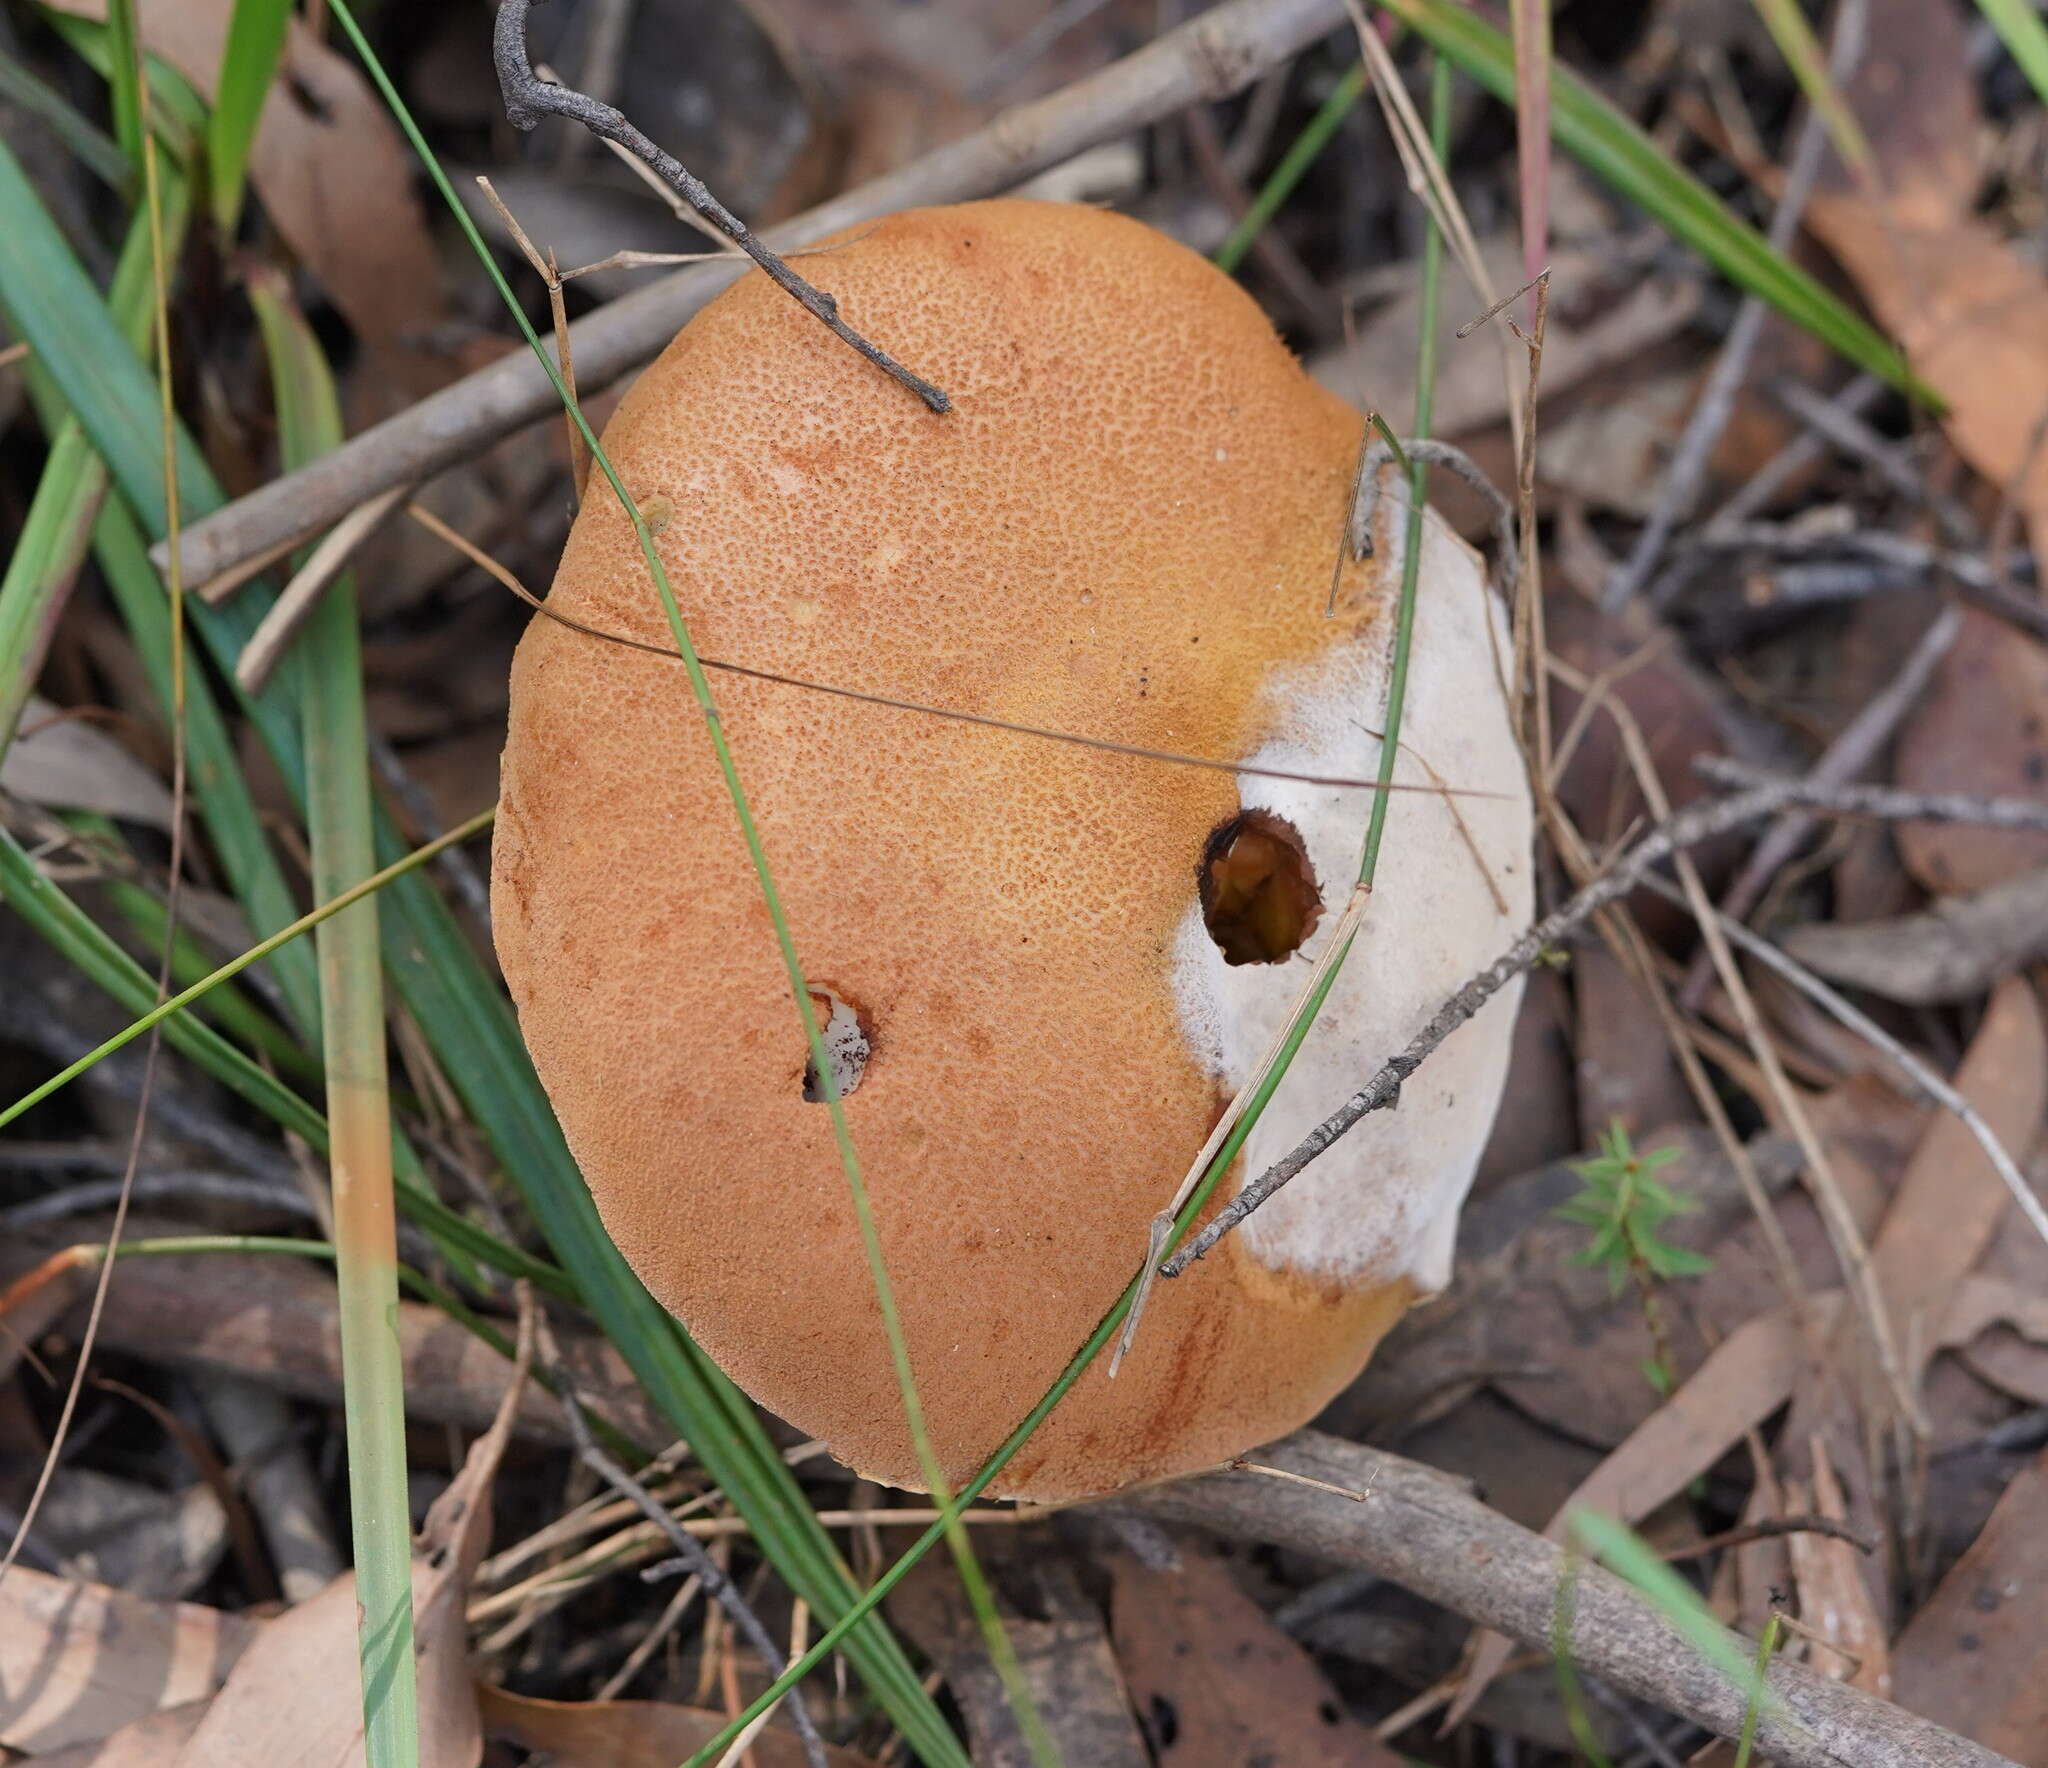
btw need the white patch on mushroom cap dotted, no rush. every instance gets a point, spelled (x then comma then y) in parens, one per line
(1383, 1202)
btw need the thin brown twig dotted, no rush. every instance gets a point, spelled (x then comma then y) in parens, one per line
(1697, 823)
(528, 99)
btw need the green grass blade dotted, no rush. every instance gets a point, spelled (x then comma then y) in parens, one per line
(248, 64)
(358, 1084)
(1627, 160)
(2025, 37)
(93, 148)
(1809, 64)
(1301, 154)
(125, 78)
(176, 113)
(53, 305)
(229, 1008)
(55, 537)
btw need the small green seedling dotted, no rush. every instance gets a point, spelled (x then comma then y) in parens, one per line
(1625, 1206)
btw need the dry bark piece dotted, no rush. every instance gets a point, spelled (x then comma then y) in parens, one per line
(1124, 531)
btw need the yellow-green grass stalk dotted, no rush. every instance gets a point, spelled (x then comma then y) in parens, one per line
(1809, 65)
(330, 683)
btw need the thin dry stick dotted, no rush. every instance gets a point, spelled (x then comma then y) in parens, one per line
(1697, 823)
(528, 99)
(1210, 58)
(565, 350)
(1431, 186)
(1917, 1071)
(1710, 416)
(1848, 755)
(687, 1546)
(1370, 489)
(485, 562)
(299, 598)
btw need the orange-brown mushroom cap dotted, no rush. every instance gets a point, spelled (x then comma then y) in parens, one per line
(1125, 529)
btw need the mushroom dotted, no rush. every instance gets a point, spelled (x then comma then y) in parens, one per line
(1042, 969)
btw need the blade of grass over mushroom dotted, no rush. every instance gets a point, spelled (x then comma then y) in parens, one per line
(1000, 1648)
(1302, 153)
(248, 64)
(1245, 1111)
(343, 844)
(1188, 1210)
(1593, 132)
(814, 1568)
(2024, 35)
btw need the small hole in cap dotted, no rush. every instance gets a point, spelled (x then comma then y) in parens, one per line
(1259, 895)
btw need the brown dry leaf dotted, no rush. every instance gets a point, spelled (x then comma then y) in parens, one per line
(80, 1661)
(1065, 1659)
(1975, 1658)
(329, 164)
(1833, 1599)
(286, 1706)
(629, 1733)
(142, 1743)
(1971, 313)
(1951, 1203)
(69, 764)
(1219, 1685)
(1983, 727)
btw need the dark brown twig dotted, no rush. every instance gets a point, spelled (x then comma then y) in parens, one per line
(1770, 1528)
(1761, 796)
(528, 98)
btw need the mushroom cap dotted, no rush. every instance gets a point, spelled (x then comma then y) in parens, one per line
(1124, 529)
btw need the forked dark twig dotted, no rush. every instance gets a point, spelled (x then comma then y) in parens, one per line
(528, 98)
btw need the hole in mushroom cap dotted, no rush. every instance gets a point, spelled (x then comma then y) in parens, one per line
(1259, 895)
(847, 1045)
